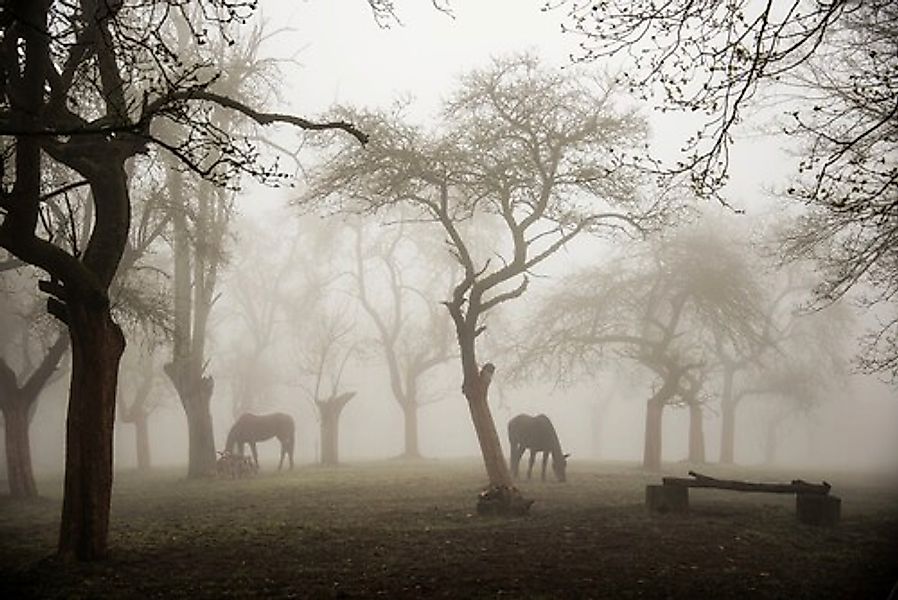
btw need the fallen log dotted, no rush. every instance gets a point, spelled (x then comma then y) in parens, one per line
(797, 486)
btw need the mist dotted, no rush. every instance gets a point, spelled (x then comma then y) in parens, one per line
(371, 298)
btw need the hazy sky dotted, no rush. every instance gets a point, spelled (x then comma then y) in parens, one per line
(346, 58)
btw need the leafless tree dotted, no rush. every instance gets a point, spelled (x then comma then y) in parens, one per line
(658, 308)
(87, 84)
(413, 343)
(833, 63)
(536, 150)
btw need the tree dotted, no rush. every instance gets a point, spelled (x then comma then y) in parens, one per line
(658, 309)
(142, 367)
(412, 344)
(537, 150)
(839, 59)
(328, 350)
(83, 85)
(19, 393)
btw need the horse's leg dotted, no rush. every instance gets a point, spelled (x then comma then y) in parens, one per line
(283, 452)
(252, 446)
(532, 460)
(545, 460)
(290, 452)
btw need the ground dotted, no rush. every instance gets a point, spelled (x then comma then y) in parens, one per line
(402, 529)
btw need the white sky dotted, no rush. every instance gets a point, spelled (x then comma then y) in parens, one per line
(345, 57)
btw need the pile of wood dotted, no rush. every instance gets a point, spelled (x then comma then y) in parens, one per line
(235, 466)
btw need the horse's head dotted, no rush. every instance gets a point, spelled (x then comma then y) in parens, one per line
(559, 465)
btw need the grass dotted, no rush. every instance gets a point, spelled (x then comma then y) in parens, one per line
(398, 529)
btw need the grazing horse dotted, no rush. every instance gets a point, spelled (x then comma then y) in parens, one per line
(250, 429)
(538, 435)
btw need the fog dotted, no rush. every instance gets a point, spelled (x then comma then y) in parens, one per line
(342, 56)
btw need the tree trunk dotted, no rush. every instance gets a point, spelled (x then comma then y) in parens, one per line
(728, 420)
(410, 414)
(18, 450)
(330, 410)
(651, 458)
(696, 434)
(195, 392)
(201, 437)
(141, 429)
(330, 439)
(97, 346)
(478, 402)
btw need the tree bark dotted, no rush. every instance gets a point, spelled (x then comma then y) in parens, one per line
(142, 434)
(696, 434)
(195, 392)
(18, 449)
(728, 419)
(410, 415)
(330, 411)
(476, 392)
(651, 457)
(97, 346)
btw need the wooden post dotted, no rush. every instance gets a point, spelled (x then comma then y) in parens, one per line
(818, 509)
(667, 498)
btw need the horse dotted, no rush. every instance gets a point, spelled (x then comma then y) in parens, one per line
(538, 435)
(251, 428)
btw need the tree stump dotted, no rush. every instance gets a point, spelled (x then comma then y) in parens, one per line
(667, 498)
(818, 509)
(502, 500)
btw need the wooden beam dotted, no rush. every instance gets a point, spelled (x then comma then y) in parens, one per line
(797, 486)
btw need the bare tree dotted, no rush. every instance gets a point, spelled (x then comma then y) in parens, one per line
(657, 309)
(19, 393)
(538, 151)
(412, 343)
(82, 85)
(833, 63)
(324, 357)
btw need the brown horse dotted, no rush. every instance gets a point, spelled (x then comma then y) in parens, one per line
(250, 429)
(538, 435)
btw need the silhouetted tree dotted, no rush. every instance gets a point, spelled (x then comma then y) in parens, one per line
(539, 151)
(838, 58)
(657, 308)
(412, 343)
(84, 84)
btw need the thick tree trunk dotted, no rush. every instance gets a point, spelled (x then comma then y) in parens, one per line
(728, 420)
(18, 450)
(97, 346)
(330, 439)
(329, 411)
(195, 393)
(651, 457)
(142, 434)
(410, 414)
(696, 434)
(201, 437)
(493, 458)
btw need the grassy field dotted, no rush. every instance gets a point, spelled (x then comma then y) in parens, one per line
(397, 529)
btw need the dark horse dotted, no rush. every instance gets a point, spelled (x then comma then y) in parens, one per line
(250, 429)
(538, 435)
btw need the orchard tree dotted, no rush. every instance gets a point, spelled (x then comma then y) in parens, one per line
(30, 355)
(658, 308)
(541, 152)
(413, 334)
(86, 84)
(723, 59)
